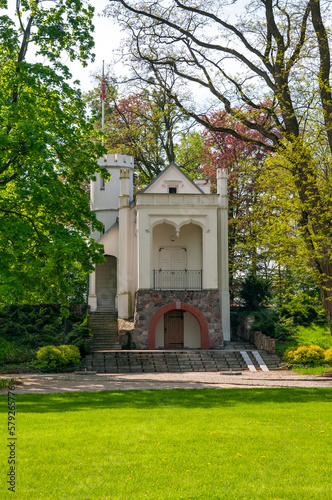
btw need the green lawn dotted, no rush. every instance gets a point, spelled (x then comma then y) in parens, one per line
(173, 444)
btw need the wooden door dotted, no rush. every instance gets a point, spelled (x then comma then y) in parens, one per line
(173, 329)
(173, 259)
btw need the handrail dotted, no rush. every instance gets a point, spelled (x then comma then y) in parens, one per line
(186, 279)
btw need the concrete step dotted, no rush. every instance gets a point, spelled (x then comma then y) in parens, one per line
(117, 361)
(104, 329)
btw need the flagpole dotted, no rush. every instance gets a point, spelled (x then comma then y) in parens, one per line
(102, 107)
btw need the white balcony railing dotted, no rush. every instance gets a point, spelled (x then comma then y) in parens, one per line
(177, 280)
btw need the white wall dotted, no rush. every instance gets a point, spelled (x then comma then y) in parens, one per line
(172, 177)
(104, 202)
(178, 211)
(192, 331)
(190, 237)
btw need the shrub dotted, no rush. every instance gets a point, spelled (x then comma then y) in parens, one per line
(58, 355)
(305, 307)
(11, 353)
(71, 354)
(255, 292)
(270, 323)
(328, 356)
(7, 382)
(289, 354)
(79, 334)
(305, 355)
(314, 335)
(35, 325)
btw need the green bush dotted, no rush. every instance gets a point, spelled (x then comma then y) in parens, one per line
(255, 292)
(304, 355)
(79, 334)
(270, 323)
(10, 353)
(8, 382)
(35, 325)
(303, 307)
(58, 355)
(328, 356)
(314, 335)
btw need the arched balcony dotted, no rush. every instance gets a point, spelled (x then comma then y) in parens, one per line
(177, 256)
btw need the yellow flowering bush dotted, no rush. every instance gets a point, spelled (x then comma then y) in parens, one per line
(288, 354)
(305, 355)
(58, 355)
(328, 356)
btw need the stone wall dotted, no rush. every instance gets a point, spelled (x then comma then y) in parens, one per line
(264, 342)
(148, 302)
(260, 341)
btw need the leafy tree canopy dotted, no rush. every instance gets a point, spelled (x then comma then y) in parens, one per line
(142, 121)
(48, 151)
(274, 57)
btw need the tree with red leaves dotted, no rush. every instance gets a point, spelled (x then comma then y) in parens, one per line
(244, 162)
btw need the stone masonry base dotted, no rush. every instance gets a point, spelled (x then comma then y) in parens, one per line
(203, 304)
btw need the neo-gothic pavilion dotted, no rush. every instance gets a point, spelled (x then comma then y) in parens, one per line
(166, 253)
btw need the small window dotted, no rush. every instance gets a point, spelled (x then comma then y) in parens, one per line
(102, 183)
(172, 190)
(103, 230)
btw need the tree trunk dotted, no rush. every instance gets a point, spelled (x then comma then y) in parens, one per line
(325, 285)
(315, 224)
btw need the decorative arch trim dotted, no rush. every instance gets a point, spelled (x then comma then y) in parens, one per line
(184, 307)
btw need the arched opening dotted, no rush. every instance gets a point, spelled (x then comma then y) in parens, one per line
(177, 257)
(178, 329)
(189, 328)
(106, 284)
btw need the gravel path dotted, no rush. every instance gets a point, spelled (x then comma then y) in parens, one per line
(71, 382)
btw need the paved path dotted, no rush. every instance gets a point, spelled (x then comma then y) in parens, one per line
(71, 382)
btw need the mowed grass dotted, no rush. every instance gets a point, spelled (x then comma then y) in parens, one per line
(172, 444)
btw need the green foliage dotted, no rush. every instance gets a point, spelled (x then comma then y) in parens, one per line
(284, 50)
(11, 353)
(35, 326)
(48, 152)
(313, 335)
(304, 355)
(79, 334)
(305, 308)
(328, 356)
(144, 123)
(282, 346)
(7, 382)
(57, 356)
(271, 323)
(255, 292)
(310, 370)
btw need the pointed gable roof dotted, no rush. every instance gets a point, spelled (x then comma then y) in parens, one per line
(169, 176)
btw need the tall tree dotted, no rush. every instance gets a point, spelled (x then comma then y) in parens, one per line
(46, 151)
(145, 123)
(283, 51)
(245, 162)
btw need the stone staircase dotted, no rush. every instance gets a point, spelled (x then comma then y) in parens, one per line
(228, 359)
(104, 328)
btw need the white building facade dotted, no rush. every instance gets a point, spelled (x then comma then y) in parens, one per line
(166, 257)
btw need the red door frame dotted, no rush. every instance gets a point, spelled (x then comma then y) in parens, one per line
(185, 307)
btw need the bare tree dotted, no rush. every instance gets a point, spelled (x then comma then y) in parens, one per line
(275, 59)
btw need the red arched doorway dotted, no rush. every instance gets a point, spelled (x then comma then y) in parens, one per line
(184, 307)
